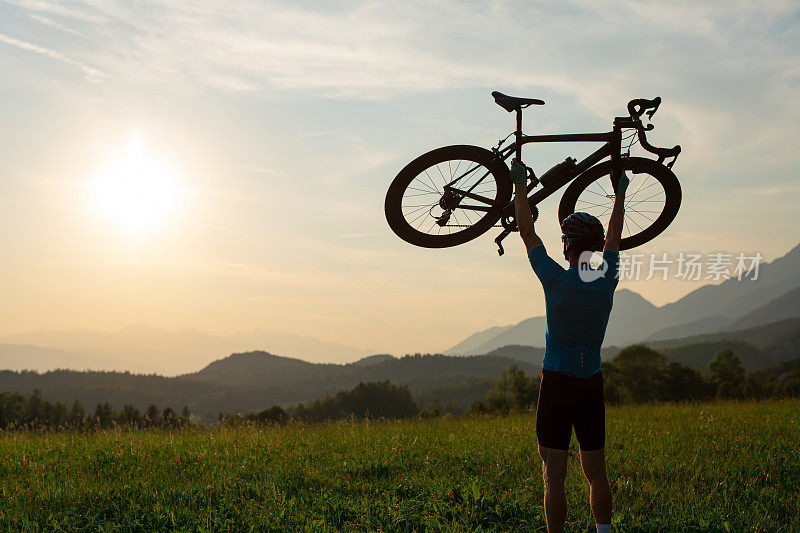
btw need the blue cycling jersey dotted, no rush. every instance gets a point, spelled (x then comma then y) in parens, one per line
(577, 312)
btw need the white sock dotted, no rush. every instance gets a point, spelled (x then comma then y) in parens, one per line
(603, 528)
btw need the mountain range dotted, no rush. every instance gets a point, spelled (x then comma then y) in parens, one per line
(759, 320)
(141, 348)
(252, 381)
(732, 304)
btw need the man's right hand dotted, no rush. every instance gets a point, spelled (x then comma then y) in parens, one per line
(518, 173)
(622, 184)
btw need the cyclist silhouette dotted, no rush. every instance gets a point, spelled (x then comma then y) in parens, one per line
(571, 393)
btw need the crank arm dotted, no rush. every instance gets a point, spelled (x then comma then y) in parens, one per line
(499, 240)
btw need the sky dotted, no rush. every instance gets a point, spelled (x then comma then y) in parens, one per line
(270, 131)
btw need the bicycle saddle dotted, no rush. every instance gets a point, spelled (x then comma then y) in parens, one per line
(512, 103)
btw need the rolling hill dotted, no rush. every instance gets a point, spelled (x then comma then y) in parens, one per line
(256, 380)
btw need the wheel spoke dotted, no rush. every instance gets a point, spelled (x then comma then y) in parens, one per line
(640, 201)
(641, 215)
(422, 198)
(601, 188)
(640, 185)
(428, 190)
(442, 175)
(656, 183)
(634, 222)
(433, 183)
(597, 193)
(593, 204)
(421, 216)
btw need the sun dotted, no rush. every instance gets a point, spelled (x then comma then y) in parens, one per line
(136, 190)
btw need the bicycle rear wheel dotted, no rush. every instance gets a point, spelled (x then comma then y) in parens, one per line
(652, 199)
(421, 210)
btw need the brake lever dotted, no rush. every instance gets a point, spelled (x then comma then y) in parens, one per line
(652, 112)
(675, 157)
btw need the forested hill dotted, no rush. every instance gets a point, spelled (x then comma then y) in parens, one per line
(251, 381)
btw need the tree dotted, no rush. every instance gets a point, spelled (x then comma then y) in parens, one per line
(152, 417)
(35, 412)
(57, 414)
(77, 415)
(514, 391)
(130, 415)
(103, 415)
(638, 374)
(168, 418)
(727, 373)
(681, 383)
(273, 415)
(367, 400)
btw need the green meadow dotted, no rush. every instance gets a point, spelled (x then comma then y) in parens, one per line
(690, 467)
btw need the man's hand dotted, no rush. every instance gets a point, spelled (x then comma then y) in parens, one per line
(518, 173)
(622, 184)
(522, 210)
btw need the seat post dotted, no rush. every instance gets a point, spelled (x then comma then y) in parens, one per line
(518, 134)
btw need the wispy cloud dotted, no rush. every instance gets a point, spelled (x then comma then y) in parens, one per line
(91, 72)
(55, 24)
(770, 190)
(378, 49)
(73, 10)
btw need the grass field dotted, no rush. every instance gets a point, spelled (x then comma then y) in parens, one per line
(717, 467)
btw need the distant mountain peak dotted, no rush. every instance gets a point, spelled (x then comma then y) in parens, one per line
(632, 296)
(794, 252)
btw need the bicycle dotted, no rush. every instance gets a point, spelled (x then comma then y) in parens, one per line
(435, 203)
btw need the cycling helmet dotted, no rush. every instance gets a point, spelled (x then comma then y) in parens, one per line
(584, 231)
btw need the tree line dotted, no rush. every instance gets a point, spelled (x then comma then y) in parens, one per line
(639, 374)
(19, 412)
(381, 399)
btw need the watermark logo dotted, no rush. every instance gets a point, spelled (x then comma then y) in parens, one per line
(718, 266)
(591, 266)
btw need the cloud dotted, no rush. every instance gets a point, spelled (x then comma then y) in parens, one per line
(90, 72)
(55, 24)
(74, 10)
(769, 190)
(379, 49)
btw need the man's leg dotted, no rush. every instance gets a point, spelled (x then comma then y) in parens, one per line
(594, 467)
(554, 468)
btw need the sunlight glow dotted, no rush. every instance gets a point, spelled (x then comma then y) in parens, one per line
(136, 190)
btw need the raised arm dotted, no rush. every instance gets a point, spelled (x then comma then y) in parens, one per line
(522, 211)
(615, 223)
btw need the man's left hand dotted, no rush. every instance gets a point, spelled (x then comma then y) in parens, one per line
(518, 173)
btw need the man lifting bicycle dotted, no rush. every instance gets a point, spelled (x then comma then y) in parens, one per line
(571, 393)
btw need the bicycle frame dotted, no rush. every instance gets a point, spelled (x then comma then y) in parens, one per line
(612, 148)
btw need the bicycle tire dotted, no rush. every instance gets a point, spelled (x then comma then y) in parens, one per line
(670, 186)
(488, 165)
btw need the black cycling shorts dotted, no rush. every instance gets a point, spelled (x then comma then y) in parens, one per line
(566, 401)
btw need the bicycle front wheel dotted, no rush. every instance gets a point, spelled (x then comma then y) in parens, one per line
(448, 196)
(652, 199)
